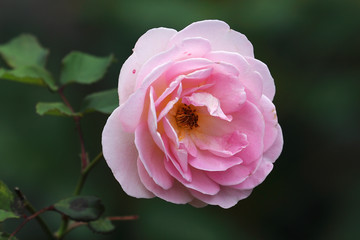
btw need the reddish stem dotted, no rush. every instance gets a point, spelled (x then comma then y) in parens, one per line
(30, 218)
(123, 218)
(84, 159)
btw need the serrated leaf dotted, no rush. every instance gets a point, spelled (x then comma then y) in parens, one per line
(81, 208)
(102, 225)
(84, 68)
(104, 102)
(31, 75)
(6, 202)
(24, 50)
(54, 108)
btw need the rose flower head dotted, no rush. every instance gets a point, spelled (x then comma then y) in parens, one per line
(195, 122)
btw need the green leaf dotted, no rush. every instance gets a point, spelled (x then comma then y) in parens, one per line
(24, 50)
(84, 68)
(31, 75)
(104, 102)
(81, 208)
(6, 203)
(102, 225)
(5, 236)
(6, 215)
(54, 108)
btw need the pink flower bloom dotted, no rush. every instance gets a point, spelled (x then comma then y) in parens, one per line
(196, 123)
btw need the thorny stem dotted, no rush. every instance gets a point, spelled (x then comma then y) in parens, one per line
(84, 159)
(35, 214)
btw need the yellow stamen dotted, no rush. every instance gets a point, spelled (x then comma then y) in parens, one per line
(186, 117)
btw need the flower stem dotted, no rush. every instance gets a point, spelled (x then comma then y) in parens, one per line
(63, 230)
(85, 172)
(35, 214)
(84, 159)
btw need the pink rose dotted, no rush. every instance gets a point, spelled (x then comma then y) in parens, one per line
(196, 123)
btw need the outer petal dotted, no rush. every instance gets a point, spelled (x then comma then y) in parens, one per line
(257, 177)
(268, 81)
(274, 152)
(127, 78)
(157, 39)
(271, 123)
(120, 154)
(151, 43)
(234, 175)
(226, 198)
(220, 36)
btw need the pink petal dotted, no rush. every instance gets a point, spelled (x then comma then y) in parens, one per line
(152, 157)
(198, 46)
(127, 78)
(132, 109)
(257, 177)
(181, 156)
(120, 154)
(170, 89)
(219, 34)
(267, 79)
(200, 182)
(271, 123)
(189, 145)
(157, 38)
(197, 203)
(169, 106)
(170, 131)
(178, 160)
(223, 146)
(200, 88)
(230, 92)
(176, 194)
(249, 121)
(249, 75)
(226, 198)
(189, 66)
(274, 151)
(209, 162)
(234, 175)
(152, 122)
(232, 58)
(205, 99)
(253, 84)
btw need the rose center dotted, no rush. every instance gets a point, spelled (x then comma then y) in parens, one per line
(186, 117)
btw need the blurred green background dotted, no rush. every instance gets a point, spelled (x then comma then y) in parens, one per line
(312, 49)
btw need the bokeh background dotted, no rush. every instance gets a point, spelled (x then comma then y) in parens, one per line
(313, 51)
